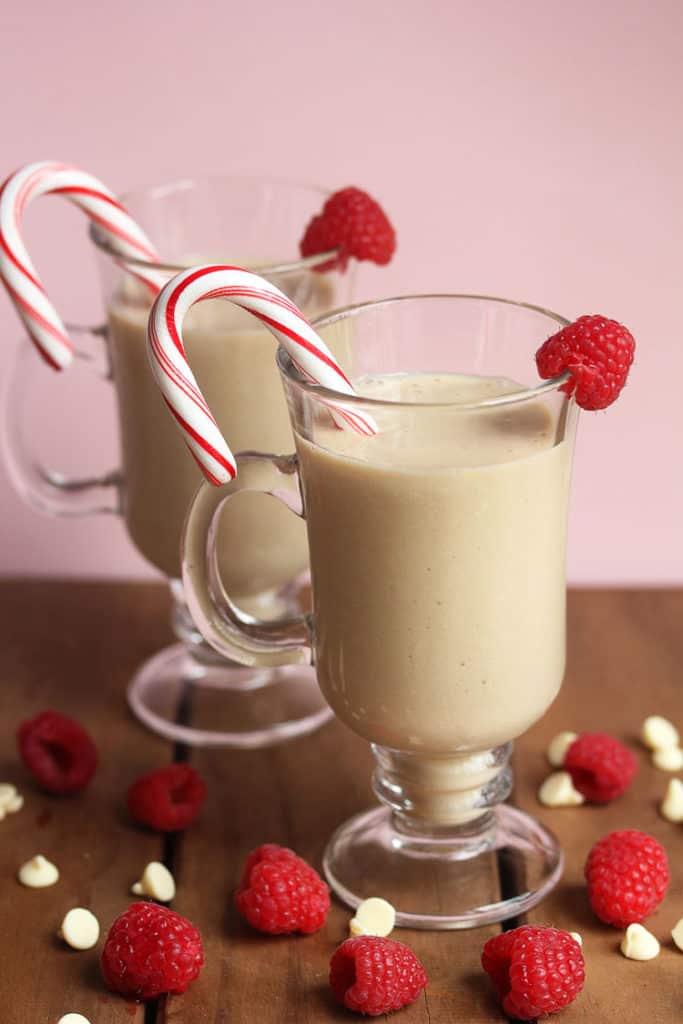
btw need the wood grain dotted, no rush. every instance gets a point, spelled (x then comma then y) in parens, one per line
(74, 646)
(624, 663)
(296, 795)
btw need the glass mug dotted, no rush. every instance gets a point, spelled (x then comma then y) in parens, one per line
(437, 554)
(256, 223)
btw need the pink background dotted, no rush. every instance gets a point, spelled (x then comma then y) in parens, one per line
(527, 149)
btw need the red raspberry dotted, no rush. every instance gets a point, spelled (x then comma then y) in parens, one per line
(151, 950)
(597, 352)
(58, 752)
(353, 222)
(375, 976)
(628, 875)
(281, 893)
(167, 799)
(535, 971)
(601, 767)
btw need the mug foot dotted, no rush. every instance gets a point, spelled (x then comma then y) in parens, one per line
(218, 704)
(494, 869)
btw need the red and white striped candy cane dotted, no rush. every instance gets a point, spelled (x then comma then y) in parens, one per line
(16, 269)
(178, 384)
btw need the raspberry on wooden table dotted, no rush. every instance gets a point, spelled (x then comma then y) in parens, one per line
(58, 752)
(372, 975)
(597, 352)
(535, 971)
(627, 874)
(601, 767)
(150, 950)
(355, 224)
(167, 799)
(280, 893)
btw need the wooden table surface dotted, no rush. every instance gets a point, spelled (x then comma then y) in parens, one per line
(73, 646)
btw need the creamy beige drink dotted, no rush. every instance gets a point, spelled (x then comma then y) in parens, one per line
(437, 553)
(262, 547)
(438, 564)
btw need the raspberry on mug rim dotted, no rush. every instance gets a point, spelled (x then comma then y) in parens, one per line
(354, 223)
(597, 352)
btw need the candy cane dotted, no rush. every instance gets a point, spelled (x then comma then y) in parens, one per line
(181, 393)
(18, 274)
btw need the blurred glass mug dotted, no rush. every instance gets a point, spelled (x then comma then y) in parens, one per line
(438, 574)
(258, 224)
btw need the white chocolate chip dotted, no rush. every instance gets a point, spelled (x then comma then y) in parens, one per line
(73, 1018)
(80, 929)
(658, 733)
(10, 800)
(38, 873)
(558, 791)
(677, 934)
(671, 806)
(157, 882)
(7, 793)
(558, 747)
(15, 804)
(639, 943)
(577, 938)
(668, 759)
(374, 916)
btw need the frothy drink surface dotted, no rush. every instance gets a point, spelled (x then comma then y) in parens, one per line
(438, 561)
(262, 546)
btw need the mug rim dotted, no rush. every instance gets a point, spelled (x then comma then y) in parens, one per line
(290, 371)
(279, 267)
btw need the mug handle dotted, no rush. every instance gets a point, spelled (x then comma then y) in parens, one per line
(232, 632)
(44, 488)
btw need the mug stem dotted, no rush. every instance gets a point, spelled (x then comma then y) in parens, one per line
(441, 796)
(443, 846)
